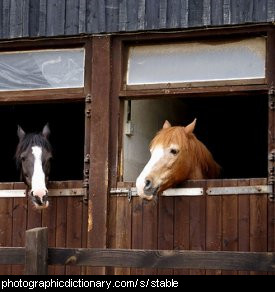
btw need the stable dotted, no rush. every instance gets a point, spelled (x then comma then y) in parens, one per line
(106, 75)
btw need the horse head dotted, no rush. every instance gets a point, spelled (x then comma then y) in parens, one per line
(33, 155)
(176, 155)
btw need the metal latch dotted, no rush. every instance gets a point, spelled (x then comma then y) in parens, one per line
(129, 192)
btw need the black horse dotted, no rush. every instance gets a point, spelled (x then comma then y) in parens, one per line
(33, 155)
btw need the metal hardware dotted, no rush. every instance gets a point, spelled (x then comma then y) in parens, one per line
(88, 98)
(183, 192)
(242, 190)
(87, 159)
(211, 191)
(271, 99)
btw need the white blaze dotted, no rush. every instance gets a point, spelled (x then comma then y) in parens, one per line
(38, 177)
(156, 155)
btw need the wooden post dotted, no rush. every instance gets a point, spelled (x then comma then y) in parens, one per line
(36, 258)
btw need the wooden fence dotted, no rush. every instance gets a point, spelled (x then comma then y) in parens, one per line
(36, 256)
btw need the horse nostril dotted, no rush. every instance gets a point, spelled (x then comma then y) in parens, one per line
(38, 201)
(148, 184)
(45, 198)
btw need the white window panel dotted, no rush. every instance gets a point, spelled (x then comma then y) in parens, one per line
(197, 61)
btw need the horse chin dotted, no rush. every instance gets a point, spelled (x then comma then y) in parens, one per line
(41, 207)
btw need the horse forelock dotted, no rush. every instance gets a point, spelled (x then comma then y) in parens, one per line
(168, 136)
(29, 141)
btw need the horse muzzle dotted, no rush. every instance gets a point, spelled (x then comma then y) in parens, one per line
(40, 198)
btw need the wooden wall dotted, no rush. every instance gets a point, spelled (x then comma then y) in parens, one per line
(228, 223)
(66, 219)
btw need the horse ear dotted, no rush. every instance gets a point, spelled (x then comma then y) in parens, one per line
(46, 131)
(166, 125)
(20, 133)
(190, 128)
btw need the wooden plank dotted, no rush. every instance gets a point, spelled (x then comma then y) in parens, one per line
(73, 229)
(43, 18)
(166, 227)
(181, 227)
(49, 221)
(258, 221)
(61, 229)
(150, 230)
(92, 16)
(230, 223)
(71, 17)
(16, 19)
(243, 221)
(213, 223)
(111, 228)
(55, 17)
(172, 259)
(36, 257)
(25, 17)
(82, 16)
(151, 14)
(99, 164)
(34, 216)
(12, 255)
(173, 14)
(112, 9)
(132, 14)
(217, 12)
(197, 225)
(123, 229)
(141, 14)
(195, 13)
(34, 6)
(137, 224)
(19, 216)
(5, 228)
(163, 13)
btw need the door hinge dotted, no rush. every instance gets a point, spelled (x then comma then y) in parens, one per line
(271, 99)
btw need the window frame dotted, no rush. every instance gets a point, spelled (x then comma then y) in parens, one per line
(60, 188)
(122, 92)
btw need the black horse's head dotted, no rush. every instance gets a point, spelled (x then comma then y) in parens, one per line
(33, 155)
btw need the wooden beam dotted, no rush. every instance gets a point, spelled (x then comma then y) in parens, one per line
(99, 133)
(224, 260)
(12, 256)
(36, 261)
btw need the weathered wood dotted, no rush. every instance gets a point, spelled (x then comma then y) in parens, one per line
(150, 230)
(73, 228)
(19, 219)
(61, 228)
(136, 228)
(230, 223)
(243, 221)
(98, 199)
(123, 229)
(213, 223)
(166, 227)
(257, 261)
(12, 255)
(198, 225)
(258, 222)
(181, 227)
(5, 228)
(36, 260)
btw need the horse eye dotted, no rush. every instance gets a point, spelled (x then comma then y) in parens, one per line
(174, 151)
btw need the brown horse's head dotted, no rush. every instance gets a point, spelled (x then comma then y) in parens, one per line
(33, 155)
(176, 155)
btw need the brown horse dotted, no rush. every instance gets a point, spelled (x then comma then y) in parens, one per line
(176, 155)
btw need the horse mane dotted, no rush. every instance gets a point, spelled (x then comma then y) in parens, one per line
(200, 154)
(30, 140)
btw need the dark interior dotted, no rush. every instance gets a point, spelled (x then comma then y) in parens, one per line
(67, 125)
(235, 130)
